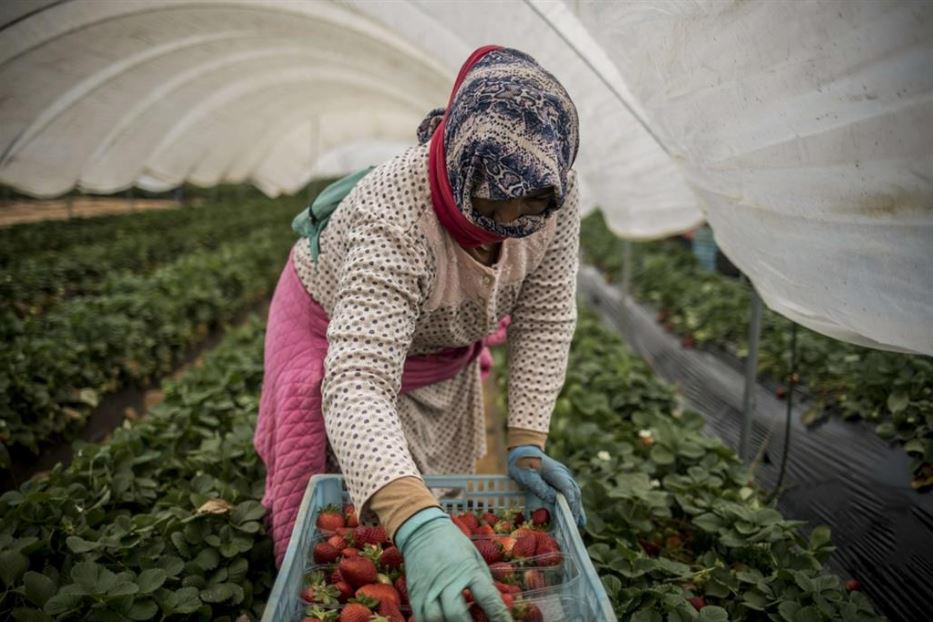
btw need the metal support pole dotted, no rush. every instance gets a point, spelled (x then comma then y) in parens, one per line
(129, 198)
(751, 375)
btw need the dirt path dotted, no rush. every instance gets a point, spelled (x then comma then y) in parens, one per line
(15, 212)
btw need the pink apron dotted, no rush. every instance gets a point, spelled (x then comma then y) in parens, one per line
(290, 435)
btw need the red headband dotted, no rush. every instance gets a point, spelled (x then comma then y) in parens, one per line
(467, 234)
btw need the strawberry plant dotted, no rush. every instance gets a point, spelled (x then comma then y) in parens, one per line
(675, 526)
(163, 522)
(894, 391)
(56, 366)
(35, 282)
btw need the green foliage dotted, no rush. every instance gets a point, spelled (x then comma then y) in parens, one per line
(890, 389)
(55, 367)
(38, 278)
(164, 522)
(672, 512)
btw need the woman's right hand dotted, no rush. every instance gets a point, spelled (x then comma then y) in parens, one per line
(440, 562)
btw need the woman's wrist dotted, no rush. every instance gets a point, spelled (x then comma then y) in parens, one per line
(399, 500)
(517, 437)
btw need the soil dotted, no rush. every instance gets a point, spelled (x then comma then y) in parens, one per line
(15, 212)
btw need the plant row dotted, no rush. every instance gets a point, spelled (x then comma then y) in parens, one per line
(54, 368)
(676, 528)
(30, 285)
(163, 522)
(892, 390)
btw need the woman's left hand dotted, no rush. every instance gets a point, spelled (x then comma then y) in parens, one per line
(546, 478)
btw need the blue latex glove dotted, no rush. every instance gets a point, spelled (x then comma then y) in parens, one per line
(439, 563)
(547, 480)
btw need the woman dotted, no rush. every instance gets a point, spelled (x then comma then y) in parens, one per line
(419, 262)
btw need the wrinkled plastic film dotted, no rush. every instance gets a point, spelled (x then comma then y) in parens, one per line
(839, 473)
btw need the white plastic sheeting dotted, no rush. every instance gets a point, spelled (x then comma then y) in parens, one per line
(800, 130)
(806, 131)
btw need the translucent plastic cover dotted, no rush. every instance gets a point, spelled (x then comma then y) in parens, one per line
(801, 131)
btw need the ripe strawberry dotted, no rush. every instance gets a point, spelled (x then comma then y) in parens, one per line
(346, 533)
(335, 576)
(532, 614)
(687, 342)
(524, 547)
(697, 601)
(462, 526)
(350, 552)
(540, 517)
(780, 392)
(534, 580)
(329, 518)
(355, 612)
(523, 531)
(484, 531)
(338, 542)
(358, 571)
(853, 585)
(502, 587)
(307, 594)
(370, 535)
(548, 553)
(506, 542)
(502, 527)
(513, 516)
(381, 592)
(391, 558)
(389, 611)
(401, 586)
(469, 519)
(651, 548)
(345, 591)
(467, 595)
(501, 570)
(489, 550)
(325, 553)
(508, 599)
(350, 512)
(489, 518)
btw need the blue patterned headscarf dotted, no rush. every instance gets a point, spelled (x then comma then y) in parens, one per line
(512, 129)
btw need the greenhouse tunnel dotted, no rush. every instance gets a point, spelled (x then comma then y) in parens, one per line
(805, 147)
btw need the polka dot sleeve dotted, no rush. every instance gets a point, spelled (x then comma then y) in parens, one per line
(543, 322)
(376, 304)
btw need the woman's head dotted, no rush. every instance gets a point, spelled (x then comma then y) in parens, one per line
(510, 139)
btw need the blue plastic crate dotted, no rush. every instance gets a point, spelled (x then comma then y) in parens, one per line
(581, 599)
